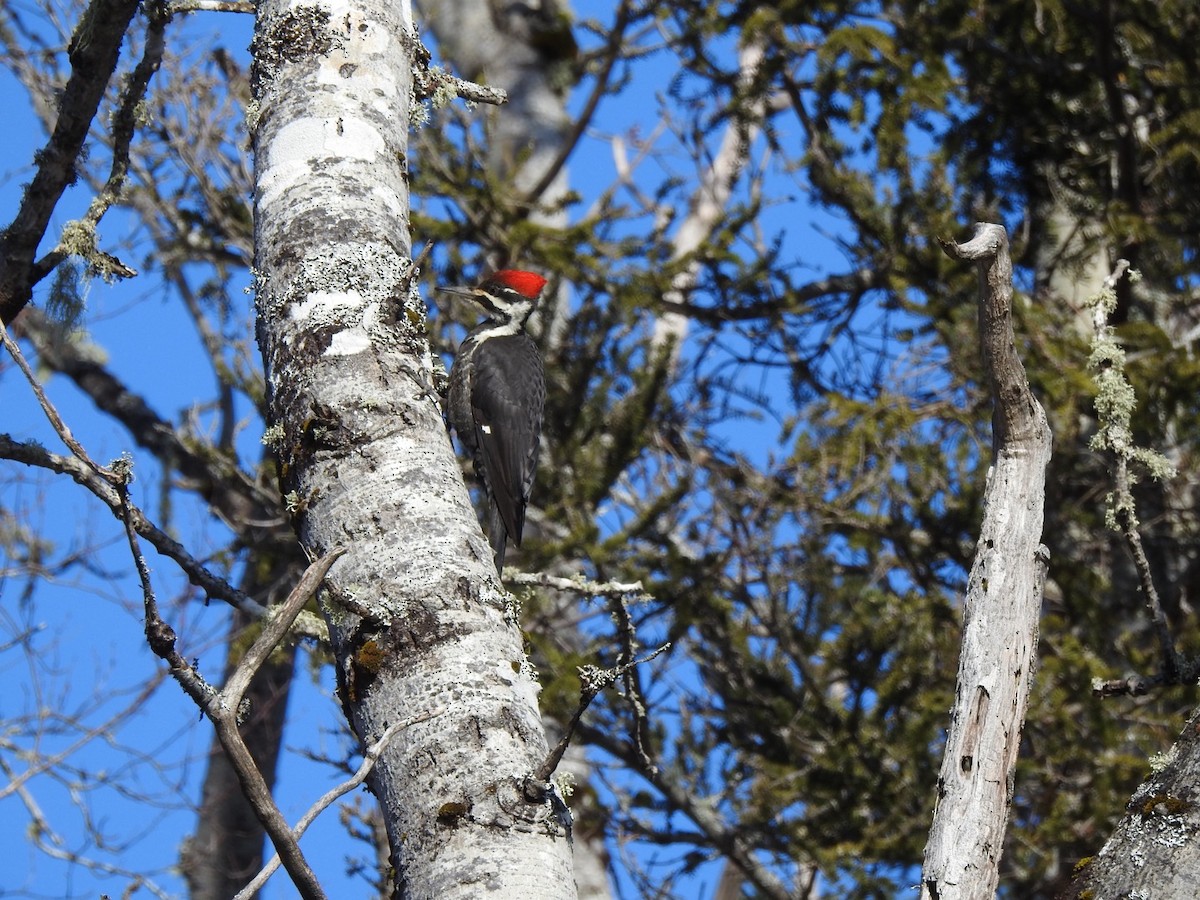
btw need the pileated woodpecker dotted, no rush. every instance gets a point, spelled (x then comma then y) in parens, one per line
(497, 393)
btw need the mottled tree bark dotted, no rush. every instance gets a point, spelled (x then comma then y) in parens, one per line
(420, 626)
(1155, 849)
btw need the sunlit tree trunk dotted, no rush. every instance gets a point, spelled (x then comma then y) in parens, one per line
(425, 638)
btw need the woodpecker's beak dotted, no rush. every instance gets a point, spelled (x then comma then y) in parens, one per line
(474, 294)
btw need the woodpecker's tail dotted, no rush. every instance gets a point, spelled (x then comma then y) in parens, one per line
(497, 535)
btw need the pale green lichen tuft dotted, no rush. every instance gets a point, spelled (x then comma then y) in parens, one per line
(1160, 761)
(565, 783)
(1116, 402)
(273, 436)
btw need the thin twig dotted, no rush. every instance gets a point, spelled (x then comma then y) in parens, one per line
(224, 717)
(1172, 662)
(187, 6)
(43, 836)
(213, 585)
(56, 421)
(593, 681)
(579, 585)
(250, 509)
(370, 758)
(627, 666)
(611, 52)
(279, 622)
(161, 636)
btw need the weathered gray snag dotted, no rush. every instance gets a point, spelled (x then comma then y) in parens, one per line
(1000, 609)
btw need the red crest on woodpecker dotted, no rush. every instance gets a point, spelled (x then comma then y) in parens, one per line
(527, 284)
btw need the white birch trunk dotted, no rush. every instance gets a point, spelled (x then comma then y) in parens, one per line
(419, 625)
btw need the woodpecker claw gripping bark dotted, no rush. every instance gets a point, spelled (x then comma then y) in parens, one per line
(497, 394)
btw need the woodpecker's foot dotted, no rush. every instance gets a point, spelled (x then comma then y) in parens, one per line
(437, 386)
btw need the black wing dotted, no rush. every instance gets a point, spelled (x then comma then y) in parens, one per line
(508, 394)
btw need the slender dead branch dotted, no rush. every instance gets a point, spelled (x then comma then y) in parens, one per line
(370, 758)
(1114, 407)
(579, 585)
(250, 509)
(436, 83)
(626, 668)
(279, 621)
(159, 635)
(56, 421)
(611, 53)
(593, 681)
(212, 584)
(222, 709)
(179, 7)
(1127, 521)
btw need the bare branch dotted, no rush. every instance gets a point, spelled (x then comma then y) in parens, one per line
(213, 585)
(279, 621)
(369, 759)
(224, 717)
(178, 7)
(436, 83)
(251, 510)
(160, 636)
(1115, 401)
(626, 669)
(56, 421)
(55, 846)
(578, 585)
(592, 682)
(93, 51)
(1017, 417)
(611, 53)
